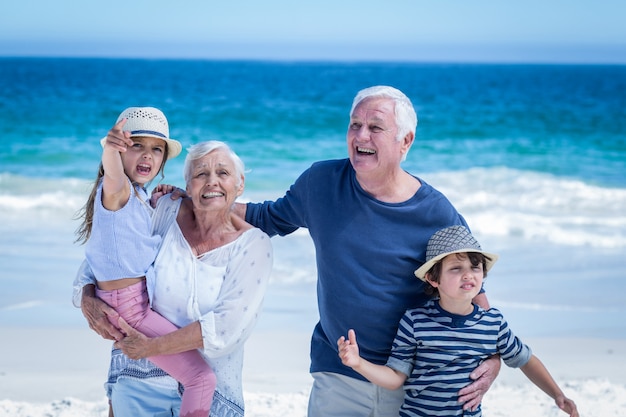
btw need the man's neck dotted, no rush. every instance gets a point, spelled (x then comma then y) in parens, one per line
(391, 189)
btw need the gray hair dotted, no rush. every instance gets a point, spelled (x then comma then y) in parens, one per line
(202, 149)
(406, 118)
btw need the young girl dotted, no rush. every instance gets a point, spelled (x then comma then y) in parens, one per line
(438, 345)
(120, 246)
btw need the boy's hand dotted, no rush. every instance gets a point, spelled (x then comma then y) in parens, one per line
(349, 350)
(567, 405)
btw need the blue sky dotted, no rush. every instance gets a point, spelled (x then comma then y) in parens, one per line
(568, 31)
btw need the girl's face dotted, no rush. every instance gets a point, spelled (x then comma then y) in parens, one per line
(214, 183)
(144, 159)
(460, 281)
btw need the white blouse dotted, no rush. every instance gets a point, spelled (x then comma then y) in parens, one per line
(223, 289)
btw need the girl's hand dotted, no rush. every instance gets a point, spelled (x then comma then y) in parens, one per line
(118, 139)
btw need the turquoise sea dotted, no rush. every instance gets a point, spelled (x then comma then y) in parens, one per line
(534, 156)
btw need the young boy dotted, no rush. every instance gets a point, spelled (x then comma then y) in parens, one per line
(439, 344)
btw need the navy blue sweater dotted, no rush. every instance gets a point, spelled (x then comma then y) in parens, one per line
(366, 251)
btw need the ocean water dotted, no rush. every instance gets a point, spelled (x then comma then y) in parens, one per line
(534, 156)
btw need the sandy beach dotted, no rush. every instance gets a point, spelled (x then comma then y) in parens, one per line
(53, 365)
(59, 373)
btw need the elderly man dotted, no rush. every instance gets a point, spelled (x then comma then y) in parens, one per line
(370, 221)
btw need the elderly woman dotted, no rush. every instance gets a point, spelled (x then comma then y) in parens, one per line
(211, 274)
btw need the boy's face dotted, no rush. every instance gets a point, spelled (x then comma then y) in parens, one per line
(460, 281)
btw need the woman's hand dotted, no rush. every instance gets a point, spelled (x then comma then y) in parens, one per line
(99, 314)
(135, 344)
(483, 376)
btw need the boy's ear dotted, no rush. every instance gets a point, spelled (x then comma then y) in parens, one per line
(431, 281)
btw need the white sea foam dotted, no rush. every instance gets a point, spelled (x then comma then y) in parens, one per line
(21, 306)
(561, 243)
(594, 398)
(528, 205)
(497, 202)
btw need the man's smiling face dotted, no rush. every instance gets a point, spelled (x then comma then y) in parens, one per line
(371, 137)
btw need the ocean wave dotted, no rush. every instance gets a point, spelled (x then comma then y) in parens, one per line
(554, 307)
(509, 203)
(24, 196)
(496, 202)
(22, 306)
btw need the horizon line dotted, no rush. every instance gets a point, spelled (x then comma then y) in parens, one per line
(496, 53)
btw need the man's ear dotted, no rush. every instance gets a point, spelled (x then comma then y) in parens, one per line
(407, 141)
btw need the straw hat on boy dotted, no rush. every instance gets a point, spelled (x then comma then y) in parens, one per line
(453, 239)
(148, 122)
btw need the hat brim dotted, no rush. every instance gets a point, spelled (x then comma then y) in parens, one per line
(174, 147)
(422, 270)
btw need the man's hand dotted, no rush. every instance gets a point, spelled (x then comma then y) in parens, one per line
(483, 376)
(97, 313)
(240, 210)
(135, 345)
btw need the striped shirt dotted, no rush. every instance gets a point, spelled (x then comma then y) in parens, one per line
(437, 350)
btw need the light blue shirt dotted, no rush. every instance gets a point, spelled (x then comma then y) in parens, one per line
(121, 244)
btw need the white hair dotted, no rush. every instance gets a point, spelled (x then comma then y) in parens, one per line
(202, 149)
(406, 118)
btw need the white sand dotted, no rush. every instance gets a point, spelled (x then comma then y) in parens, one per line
(59, 373)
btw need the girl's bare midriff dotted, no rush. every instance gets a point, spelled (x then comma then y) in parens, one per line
(118, 284)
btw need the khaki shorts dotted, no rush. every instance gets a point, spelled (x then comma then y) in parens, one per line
(335, 395)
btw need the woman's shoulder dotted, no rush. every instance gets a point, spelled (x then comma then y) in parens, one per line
(244, 227)
(165, 213)
(255, 241)
(255, 234)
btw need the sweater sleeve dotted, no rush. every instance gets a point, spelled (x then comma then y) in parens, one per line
(284, 215)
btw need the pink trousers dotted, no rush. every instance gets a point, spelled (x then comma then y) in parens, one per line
(188, 368)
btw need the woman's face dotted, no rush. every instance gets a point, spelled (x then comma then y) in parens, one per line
(214, 184)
